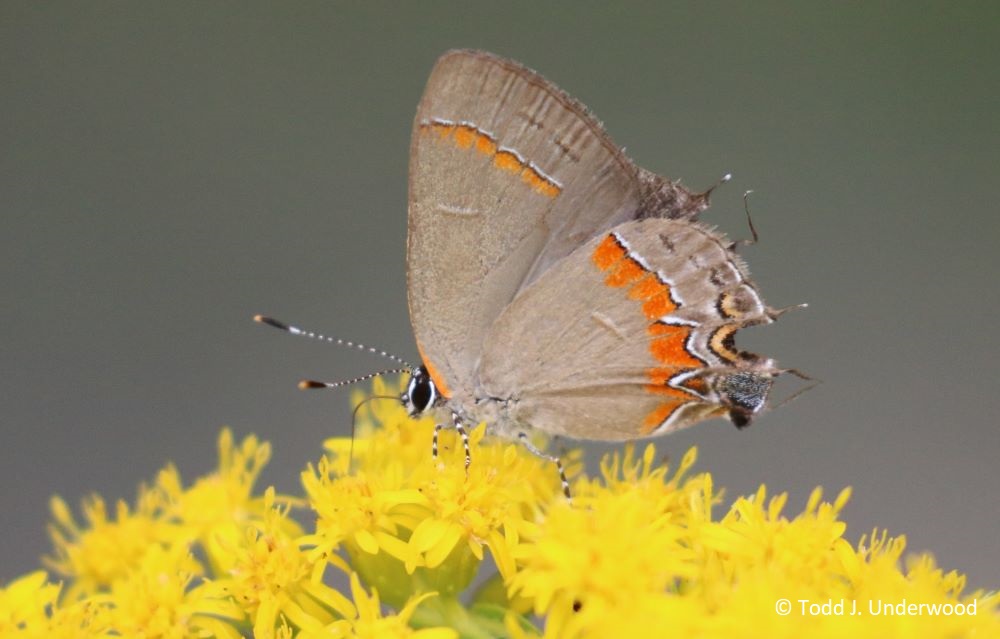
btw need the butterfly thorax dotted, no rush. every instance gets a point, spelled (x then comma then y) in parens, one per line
(423, 397)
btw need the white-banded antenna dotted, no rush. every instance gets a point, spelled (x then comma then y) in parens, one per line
(295, 330)
(313, 383)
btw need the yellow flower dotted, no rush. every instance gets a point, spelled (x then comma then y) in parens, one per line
(272, 579)
(157, 600)
(642, 555)
(30, 609)
(622, 539)
(138, 566)
(637, 553)
(106, 548)
(216, 510)
(410, 523)
(26, 602)
(369, 623)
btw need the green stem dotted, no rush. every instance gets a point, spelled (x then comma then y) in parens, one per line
(449, 612)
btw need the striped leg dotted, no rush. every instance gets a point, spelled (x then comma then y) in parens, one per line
(434, 441)
(552, 458)
(460, 428)
(465, 440)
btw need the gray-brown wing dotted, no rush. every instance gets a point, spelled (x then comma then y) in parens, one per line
(508, 174)
(627, 336)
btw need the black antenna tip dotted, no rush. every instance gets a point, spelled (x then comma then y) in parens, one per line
(270, 321)
(309, 383)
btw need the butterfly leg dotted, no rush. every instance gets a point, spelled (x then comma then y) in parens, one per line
(460, 428)
(753, 232)
(465, 440)
(434, 441)
(552, 458)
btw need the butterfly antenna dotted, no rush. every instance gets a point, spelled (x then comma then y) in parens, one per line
(295, 330)
(314, 383)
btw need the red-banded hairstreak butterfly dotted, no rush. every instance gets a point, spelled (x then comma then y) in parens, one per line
(555, 285)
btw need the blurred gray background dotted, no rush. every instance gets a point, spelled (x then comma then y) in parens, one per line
(168, 170)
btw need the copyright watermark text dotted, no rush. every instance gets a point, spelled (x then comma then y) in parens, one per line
(871, 607)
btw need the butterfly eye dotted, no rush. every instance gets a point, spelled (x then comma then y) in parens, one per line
(421, 393)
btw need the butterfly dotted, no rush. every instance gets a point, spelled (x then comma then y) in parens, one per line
(553, 284)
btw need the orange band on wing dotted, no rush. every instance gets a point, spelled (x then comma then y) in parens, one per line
(659, 415)
(435, 374)
(507, 161)
(607, 253)
(668, 343)
(486, 145)
(530, 177)
(625, 271)
(655, 296)
(466, 136)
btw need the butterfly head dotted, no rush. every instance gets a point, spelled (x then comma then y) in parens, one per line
(421, 392)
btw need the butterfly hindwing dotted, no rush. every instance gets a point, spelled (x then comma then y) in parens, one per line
(635, 344)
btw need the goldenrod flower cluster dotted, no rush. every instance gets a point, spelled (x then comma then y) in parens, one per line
(400, 544)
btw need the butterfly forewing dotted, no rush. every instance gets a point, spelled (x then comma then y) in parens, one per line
(508, 174)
